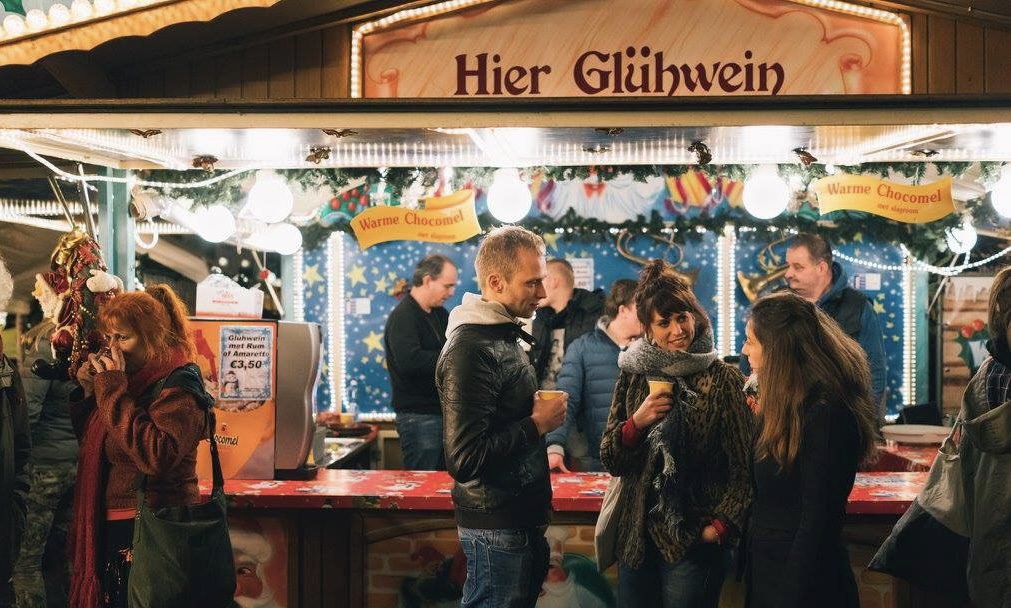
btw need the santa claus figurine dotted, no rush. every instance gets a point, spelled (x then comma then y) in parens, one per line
(70, 296)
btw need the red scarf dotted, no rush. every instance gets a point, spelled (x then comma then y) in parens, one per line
(84, 540)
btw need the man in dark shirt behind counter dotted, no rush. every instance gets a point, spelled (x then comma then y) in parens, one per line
(414, 336)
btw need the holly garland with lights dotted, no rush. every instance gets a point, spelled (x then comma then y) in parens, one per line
(925, 241)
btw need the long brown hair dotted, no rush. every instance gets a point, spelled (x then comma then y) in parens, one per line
(661, 291)
(158, 318)
(999, 310)
(806, 356)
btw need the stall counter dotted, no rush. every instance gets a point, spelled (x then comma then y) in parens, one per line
(874, 493)
(384, 539)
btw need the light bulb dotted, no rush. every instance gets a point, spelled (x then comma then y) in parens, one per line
(282, 238)
(1000, 196)
(214, 223)
(14, 25)
(104, 7)
(81, 9)
(509, 197)
(270, 199)
(59, 14)
(36, 19)
(766, 194)
(961, 239)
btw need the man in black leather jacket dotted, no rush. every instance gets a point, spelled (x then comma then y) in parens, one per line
(494, 426)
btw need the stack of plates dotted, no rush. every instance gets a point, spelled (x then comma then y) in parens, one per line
(916, 434)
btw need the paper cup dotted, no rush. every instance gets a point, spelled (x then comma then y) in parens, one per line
(549, 395)
(660, 386)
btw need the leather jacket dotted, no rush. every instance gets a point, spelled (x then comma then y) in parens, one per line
(493, 450)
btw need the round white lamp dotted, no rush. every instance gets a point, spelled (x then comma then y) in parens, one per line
(270, 198)
(766, 194)
(961, 239)
(36, 19)
(14, 25)
(1000, 196)
(214, 223)
(282, 238)
(59, 14)
(509, 197)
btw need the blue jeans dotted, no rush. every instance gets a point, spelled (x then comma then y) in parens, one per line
(693, 582)
(505, 567)
(421, 441)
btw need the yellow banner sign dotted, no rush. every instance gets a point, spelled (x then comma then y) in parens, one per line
(444, 219)
(899, 202)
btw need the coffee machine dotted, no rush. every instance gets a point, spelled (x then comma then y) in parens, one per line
(264, 419)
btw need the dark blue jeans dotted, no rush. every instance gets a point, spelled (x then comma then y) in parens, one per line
(693, 582)
(505, 567)
(421, 441)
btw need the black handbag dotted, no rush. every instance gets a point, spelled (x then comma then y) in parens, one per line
(182, 556)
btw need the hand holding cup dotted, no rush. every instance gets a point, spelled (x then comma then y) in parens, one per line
(549, 410)
(656, 405)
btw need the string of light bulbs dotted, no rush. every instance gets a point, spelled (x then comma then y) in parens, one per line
(921, 265)
(86, 178)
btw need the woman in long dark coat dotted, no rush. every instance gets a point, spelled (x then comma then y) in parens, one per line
(817, 424)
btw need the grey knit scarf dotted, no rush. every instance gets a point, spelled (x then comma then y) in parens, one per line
(665, 439)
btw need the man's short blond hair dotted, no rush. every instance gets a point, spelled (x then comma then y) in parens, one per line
(564, 269)
(499, 251)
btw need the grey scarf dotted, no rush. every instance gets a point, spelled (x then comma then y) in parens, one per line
(665, 439)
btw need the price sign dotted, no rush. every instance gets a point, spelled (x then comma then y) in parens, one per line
(246, 361)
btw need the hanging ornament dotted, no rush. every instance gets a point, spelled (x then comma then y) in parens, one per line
(205, 162)
(340, 132)
(961, 239)
(318, 154)
(145, 133)
(805, 157)
(702, 153)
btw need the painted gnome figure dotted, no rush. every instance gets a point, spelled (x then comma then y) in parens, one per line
(70, 295)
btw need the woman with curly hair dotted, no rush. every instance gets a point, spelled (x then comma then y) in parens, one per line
(143, 413)
(682, 453)
(817, 424)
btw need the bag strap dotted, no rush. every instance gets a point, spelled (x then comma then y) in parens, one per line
(209, 425)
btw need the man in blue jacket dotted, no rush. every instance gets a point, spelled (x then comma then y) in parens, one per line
(588, 374)
(814, 276)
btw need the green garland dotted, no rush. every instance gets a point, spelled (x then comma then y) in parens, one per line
(926, 241)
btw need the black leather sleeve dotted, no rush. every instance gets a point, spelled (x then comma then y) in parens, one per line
(470, 388)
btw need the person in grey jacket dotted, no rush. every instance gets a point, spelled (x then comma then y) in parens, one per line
(15, 449)
(588, 375)
(985, 455)
(53, 472)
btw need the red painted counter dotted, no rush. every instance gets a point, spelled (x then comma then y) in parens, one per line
(874, 493)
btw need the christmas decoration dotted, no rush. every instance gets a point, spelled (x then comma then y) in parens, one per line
(70, 295)
(971, 341)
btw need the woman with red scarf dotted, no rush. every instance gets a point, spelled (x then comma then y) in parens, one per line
(142, 414)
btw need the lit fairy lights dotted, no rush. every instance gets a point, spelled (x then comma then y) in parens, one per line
(60, 15)
(726, 270)
(336, 338)
(298, 286)
(908, 336)
(923, 266)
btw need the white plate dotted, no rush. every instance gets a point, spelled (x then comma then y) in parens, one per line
(917, 434)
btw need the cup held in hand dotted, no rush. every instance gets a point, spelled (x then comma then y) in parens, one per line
(549, 395)
(660, 386)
